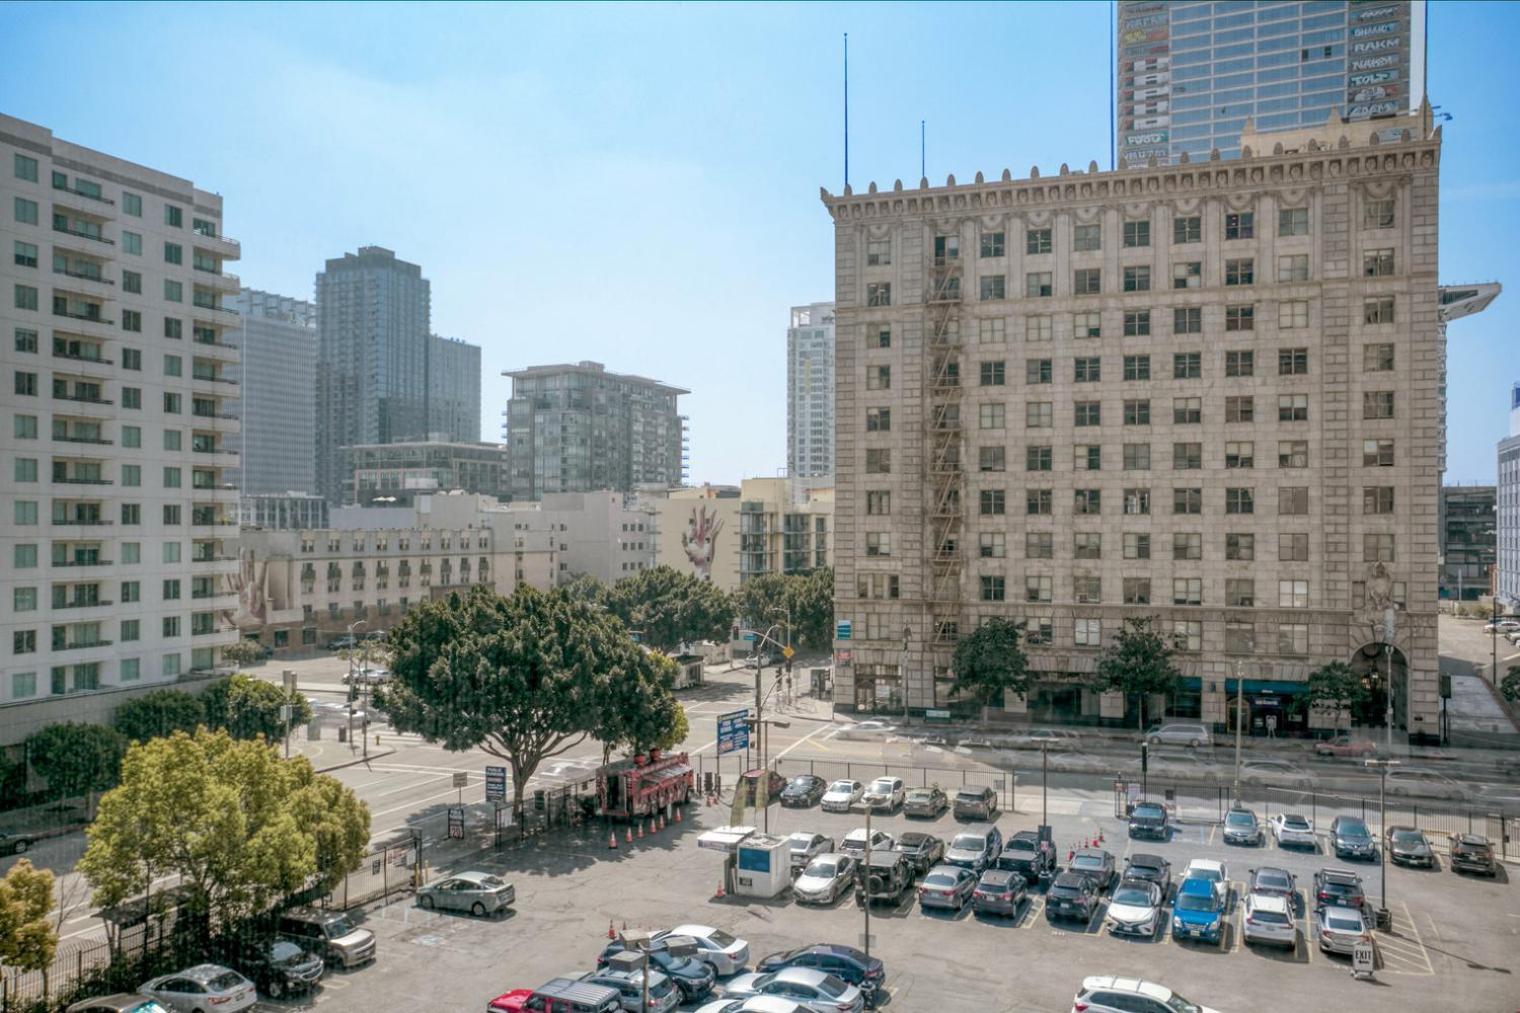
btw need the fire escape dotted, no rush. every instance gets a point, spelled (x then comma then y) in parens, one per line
(942, 306)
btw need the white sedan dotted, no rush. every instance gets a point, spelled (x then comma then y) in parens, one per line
(754, 1004)
(841, 795)
(825, 879)
(725, 953)
(1502, 626)
(1293, 830)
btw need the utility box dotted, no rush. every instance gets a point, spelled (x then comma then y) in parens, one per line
(764, 866)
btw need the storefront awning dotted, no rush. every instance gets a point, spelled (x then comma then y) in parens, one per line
(1266, 686)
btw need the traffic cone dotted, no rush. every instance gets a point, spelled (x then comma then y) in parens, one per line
(629, 838)
(1070, 854)
(641, 831)
(720, 894)
(678, 814)
(610, 933)
(662, 821)
(612, 840)
(1100, 837)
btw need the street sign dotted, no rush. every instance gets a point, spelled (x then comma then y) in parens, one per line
(787, 652)
(461, 779)
(751, 636)
(1363, 960)
(936, 715)
(496, 784)
(733, 731)
(456, 822)
(843, 628)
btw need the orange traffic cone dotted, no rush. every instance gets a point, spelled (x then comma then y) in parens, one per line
(610, 933)
(629, 838)
(1100, 837)
(641, 831)
(678, 814)
(662, 821)
(1070, 854)
(720, 894)
(612, 840)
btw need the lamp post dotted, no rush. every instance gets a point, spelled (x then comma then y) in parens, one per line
(1044, 777)
(1388, 624)
(1240, 702)
(1384, 917)
(865, 888)
(902, 670)
(353, 647)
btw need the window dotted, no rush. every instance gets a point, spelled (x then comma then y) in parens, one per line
(878, 252)
(878, 503)
(1187, 411)
(1378, 310)
(1087, 369)
(1137, 278)
(878, 377)
(1087, 238)
(1039, 545)
(1039, 415)
(131, 475)
(26, 211)
(1037, 502)
(171, 403)
(1240, 547)
(1137, 502)
(26, 254)
(1293, 453)
(131, 243)
(1037, 241)
(1378, 214)
(171, 513)
(1137, 412)
(1137, 234)
(992, 331)
(1240, 501)
(1087, 501)
(1037, 589)
(172, 365)
(1187, 591)
(1088, 413)
(991, 503)
(1292, 361)
(174, 216)
(1187, 320)
(1292, 315)
(131, 320)
(1038, 328)
(1187, 545)
(1377, 358)
(1377, 548)
(1240, 225)
(1087, 281)
(131, 204)
(26, 511)
(173, 253)
(1377, 404)
(174, 291)
(1239, 455)
(1089, 632)
(1293, 638)
(992, 287)
(1187, 365)
(878, 420)
(1187, 230)
(1240, 592)
(992, 244)
(1377, 453)
(992, 545)
(992, 588)
(990, 416)
(1293, 407)
(1240, 318)
(1137, 545)
(991, 459)
(1137, 457)
(1087, 590)
(1087, 325)
(1377, 499)
(878, 336)
(26, 297)
(946, 249)
(171, 627)
(1293, 268)
(878, 543)
(1088, 457)
(1187, 501)
(1240, 363)
(1293, 500)
(24, 642)
(879, 293)
(171, 590)
(26, 427)
(25, 167)
(26, 469)
(1187, 635)
(1037, 284)
(1240, 271)
(878, 460)
(1087, 545)
(1188, 274)
(1137, 367)
(1293, 222)
(26, 383)
(1037, 458)
(1137, 323)
(992, 374)
(26, 339)
(1137, 591)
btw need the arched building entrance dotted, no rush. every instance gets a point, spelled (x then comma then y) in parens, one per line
(1382, 670)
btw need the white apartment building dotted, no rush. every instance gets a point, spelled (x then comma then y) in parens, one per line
(1507, 592)
(608, 535)
(810, 396)
(118, 526)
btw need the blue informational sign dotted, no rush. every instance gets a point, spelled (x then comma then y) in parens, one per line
(754, 859)
(733, 731)
(496, 784)
(843, 629)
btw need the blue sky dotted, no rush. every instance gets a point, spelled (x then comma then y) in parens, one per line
(639, 185)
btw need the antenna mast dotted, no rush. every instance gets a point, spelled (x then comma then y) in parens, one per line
(846, 108)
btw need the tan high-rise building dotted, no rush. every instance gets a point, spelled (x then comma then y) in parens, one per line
(1208, 393)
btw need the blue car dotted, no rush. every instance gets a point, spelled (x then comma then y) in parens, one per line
(1198, 911)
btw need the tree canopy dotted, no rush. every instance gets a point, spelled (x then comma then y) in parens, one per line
(635, 708)
(668, 608)
(1509, 686)
(989, 663)
(248, 708)
(806, 598)
(159, 713)
(243, 652)
(1335, 687)
(76, 760)
(27, 937)
(239, 826)
(1138, 660)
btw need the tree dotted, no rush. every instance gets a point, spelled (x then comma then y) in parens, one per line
(243, 652)
(515, 677)
(586, 588)
(247, 707)
(988, 664)
(27, 939)
(77, 759)
(239, 826)
(1334, 687)
(1138, 661)
(1509, 687)
(159, 713)
(806, 598)
(668, 608)
(634, 707)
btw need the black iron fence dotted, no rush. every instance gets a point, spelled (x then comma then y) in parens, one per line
(388, 869)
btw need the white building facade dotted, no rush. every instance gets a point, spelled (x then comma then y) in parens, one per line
(810, 395)
(1507, 596)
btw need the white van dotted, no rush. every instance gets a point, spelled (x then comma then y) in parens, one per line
(1179, 735)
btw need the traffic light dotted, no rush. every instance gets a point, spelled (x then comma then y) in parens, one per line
(1145, 758)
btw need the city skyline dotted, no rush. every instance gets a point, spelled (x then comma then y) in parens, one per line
(633, 132)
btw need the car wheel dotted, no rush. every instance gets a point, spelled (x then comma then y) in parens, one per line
(20, 846)
(1155, 741)
(427, 902)
(478, 910)
(1195, 743)
(275, 989)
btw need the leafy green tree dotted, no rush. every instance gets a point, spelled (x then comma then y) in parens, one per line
(1509, 687)
(1138, 661)
(244, 652)
(516, 677)
(248, 708)
(77, 760)
(668, 608)
(1334, 687)
(634, 707)
(159, 713)
(27, 938)
(807, 599)
(239, 826)
(989, 663)
(586, 588)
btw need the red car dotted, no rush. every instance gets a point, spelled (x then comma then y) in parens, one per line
(510, 1002)
(1344, 745)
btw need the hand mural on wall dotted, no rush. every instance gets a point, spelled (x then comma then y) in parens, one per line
(700, 540)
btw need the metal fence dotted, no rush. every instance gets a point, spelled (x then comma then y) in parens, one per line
(950, 779)
(389, 869)
(24, 990)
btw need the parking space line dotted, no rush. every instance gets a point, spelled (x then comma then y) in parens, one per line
(1402, 955)
(1213, 830)
(1036, 907)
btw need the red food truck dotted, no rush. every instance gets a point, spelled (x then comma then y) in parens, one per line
(643, 785)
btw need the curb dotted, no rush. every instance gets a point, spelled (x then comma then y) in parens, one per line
(379, 754)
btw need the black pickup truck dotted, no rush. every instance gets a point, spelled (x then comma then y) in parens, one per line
(1030, 854)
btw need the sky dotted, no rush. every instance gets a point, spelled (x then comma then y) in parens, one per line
(638, 185)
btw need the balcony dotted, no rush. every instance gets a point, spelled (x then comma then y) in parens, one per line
(94, 440)
(75, 355)
(217, 280)
(80, 480)
(69, 230)
(83, 562)
(83, 645)
(95, 285)
(82, 604)
(230, 596)
(217, 246)
(89, 201)
(89, 318)
(200, 376)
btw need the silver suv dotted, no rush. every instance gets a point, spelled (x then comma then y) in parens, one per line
(330, 934)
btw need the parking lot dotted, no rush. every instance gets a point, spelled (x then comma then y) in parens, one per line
(1454, 941)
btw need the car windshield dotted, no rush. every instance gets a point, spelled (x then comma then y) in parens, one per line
(1354, 828)
(1407, 837)
(145, 1007)
(285, 952)
(842, 786)
(921, 794)
(1020, 844)
(801, 843)
(1295, 823)
(1065, 890)
(881, 784)
(968, 842)
(1195, 902)
(338, 927)
(802, 781)
(721, 938)
(968, 796)
(1235, 818)
(940, 879)
(822, 867)
(1177, 1004)
(1272, 880)
(909, 841)
(1270, 917)
(832, 987)
(1204, 872)
(1087, 862)
(1342, 923)
(1149, 809)
(1133, 896)
(224, 982)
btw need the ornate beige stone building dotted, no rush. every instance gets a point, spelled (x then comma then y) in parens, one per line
(1208, 393)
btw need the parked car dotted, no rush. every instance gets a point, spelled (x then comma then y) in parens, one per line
(1177, 734)
(1053, 739)
(1503, 625)
(1351, 838)
(1207, 868)
(1338, 888)
(976, 804)
(1344, 745)
(1149, 819)
(277, 966)
(885, 795)
(1097, 863)
(1339, 929)
(1472, 853)
(999, 892)
(842, 795)
(726, 953)
(825, 879)
(1272, 880)
(1425, 782)
(342, 644)
(844, 962)
(754, 1004)
(1198, 911)
(1029, 855)
(369, 675)
(1072, 895)
(565, 993)
(1135, 908)
(1109, 994)
(124, 1002)
(869, 729)
(975, 849)
(948, 886)
(803, 791)
(202, 988)
(812, 989)
(692, 976)
(924, 850)
(1293, 830)
(1269, 919)
(886, 877)
(664, 996)
(854, 842)
(1242, 827)
(14, 843)
(479, 893)
(806, 846)
(925, 802)
(1151, 869)
(1276, 772)
(330, 934)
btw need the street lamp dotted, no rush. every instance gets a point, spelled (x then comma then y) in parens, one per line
(1045, 776)
(1384, 917)
(1388, 623)
(353, 690)
(1240, 699)
(902, 670)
